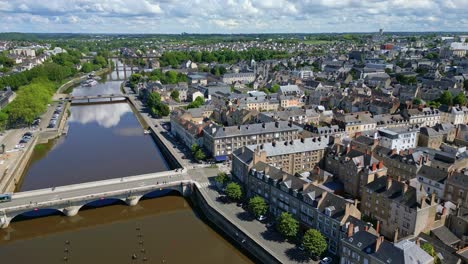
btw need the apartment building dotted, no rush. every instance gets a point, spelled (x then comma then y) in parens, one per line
(188, 127)
(401, 138)
(297, 115)
(455, 114)
(433, 137)
(401, 209)
(432, 180)
(243, 77)
(311, 205)
(259, 103)
(456, 188)
(222, 141)
(291, 156)
(355, 122)
(353, 168)
(427, 116)
(364, 247)
(402, 164)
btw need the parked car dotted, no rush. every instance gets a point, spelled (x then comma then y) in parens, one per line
(326, 260)
(301, 247)
(28, 134)
(261, 218)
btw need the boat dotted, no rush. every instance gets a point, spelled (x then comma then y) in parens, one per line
(89, 83)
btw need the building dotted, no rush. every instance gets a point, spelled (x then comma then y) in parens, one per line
(433, 137)
(197, 79)
(432, 180)
(355, 122)
(456, 115)
(296, 115)
(242, 77)
(303, 74)
(400, 209)
(353, 168)
(456, 188)
(291, 156)
(427, 116)
(403, 164)
(402, 138)
(222, 141)
(188, 127)
(311, 205)
(6, 97)
(290, 90)
(364, 247)
(25, 52)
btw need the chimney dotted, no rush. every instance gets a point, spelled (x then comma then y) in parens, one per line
(410, 151)
(394, 151)
(395, 237)
(302, 140)
(401, 153)
(418, 242)
(238, 127)
(374, 166)
(423, 201)
(273, 143)
(380, 165)
(350, 229)
(348, 148)
(366, 228)
(420, 160)
(263, 124)
(405, 187)
(378, 242)
(389, 182)
(377, 227)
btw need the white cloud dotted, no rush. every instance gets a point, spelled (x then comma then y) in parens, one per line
(236, 16)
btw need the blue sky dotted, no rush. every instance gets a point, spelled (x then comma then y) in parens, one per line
(231, 16)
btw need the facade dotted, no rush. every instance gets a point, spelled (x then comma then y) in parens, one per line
(222, 141)
(291, 156)
(402, 164)
(364, 247)
(187, 127)
(242, 77)
(401, 209)
(456, 115)
(427, 116)
(354, 169)
(432, 180)
(355, 122)
(433, 137)
(398, 138)
(197, 79)
(312, 206)
(456, 188)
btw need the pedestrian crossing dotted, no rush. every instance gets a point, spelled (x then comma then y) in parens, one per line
(204, 184)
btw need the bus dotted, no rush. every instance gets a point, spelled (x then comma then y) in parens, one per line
(5, 197)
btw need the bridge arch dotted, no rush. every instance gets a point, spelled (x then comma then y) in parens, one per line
(160, 193)
(102, 202)
(36, 213)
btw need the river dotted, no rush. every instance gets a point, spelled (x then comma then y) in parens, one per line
(106, 141)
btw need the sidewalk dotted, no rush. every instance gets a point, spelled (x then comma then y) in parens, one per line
(267, 238)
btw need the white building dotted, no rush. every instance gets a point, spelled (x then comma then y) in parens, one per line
(399, 138)
(432, 180)
(303, 74)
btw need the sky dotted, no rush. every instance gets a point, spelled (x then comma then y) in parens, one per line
(231, 16)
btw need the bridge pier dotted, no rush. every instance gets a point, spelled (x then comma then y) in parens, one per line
(133, 200)
(71, 210)
(5, 221)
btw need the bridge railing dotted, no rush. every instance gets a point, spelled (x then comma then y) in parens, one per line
(86, 185)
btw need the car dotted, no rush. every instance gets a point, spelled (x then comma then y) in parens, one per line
(270, 224)
(28, 134)
(240, 204)
(261, 218)
(326, 260)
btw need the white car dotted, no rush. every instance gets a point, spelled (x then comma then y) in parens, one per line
(326, 260)
(261, 218)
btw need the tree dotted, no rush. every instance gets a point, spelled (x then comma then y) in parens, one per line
(445, 98)
(460, 99)
(417, 101)
(234, 191)
(287, 225)
(430, 250)
(314, 242)
(257, 206)
(221, 178)
(199, 155)
(275, 88)
(175, 95)
(197, 103)
(465, 83)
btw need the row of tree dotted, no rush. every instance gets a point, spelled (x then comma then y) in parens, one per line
(176, 58)
(169, 77)
(312, 240)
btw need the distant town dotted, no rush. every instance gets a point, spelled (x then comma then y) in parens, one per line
(350, 148)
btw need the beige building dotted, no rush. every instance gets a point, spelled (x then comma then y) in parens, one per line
(222, 141)
(355, 122)
(433, 137)
(311, 205)
(291, 156)
(400, 209)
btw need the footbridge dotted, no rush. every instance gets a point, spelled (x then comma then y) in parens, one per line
(69, 199)
(97, 99)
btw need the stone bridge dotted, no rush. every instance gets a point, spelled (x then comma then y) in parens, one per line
(71, 198)
(97, 99)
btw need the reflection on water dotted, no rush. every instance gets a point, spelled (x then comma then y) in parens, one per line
(105, 115)
(160, 229)
(104, 142)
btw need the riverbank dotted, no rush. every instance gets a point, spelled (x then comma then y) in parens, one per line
(66, 87)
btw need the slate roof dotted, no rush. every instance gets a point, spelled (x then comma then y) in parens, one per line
(251, 129)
